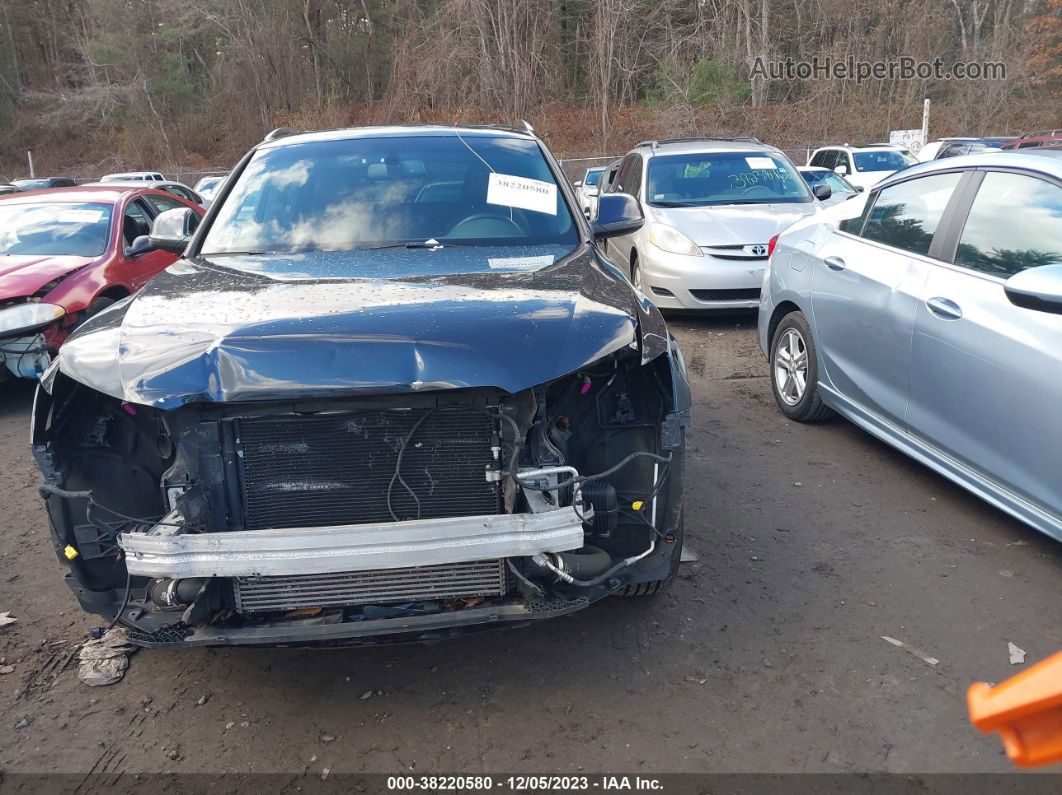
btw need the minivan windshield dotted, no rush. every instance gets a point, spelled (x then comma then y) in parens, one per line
(696, 180)
(416, 191)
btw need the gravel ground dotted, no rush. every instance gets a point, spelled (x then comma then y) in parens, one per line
(815, 541)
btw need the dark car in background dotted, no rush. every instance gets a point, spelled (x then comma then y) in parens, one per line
(65, 255)
(43, 183)
(392, 389)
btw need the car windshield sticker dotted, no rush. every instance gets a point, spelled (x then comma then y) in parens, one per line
(761, 162)
(80, 216)
(527, 194)
(520, 263)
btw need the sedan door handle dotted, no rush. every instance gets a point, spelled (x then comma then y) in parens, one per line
(834, 263)
(945, 308)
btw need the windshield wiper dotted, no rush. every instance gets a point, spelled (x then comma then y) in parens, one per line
(237, 253)
(431, 243)
(673, 204)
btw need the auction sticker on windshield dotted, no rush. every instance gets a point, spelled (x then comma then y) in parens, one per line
(527, 194)
(761, 162)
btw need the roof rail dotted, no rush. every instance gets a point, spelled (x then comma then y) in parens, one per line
(279, 132)
(746, 139)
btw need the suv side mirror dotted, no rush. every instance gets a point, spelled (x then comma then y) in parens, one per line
(140, 245)
(173, 229)
(1037, 288)
(617, 214)
(822, 191)
(842, 170)
(578, 183)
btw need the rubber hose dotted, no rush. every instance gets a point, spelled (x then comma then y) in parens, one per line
(585, 563)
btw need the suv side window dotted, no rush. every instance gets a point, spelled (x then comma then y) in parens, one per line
(906, 215)
(825, 159)
(1015, 223)
(633, 185)
(623, 176)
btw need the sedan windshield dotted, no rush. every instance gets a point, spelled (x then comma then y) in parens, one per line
(836, 182)
(881, 160)
(421, 192)
(724, 178)
(80, 230)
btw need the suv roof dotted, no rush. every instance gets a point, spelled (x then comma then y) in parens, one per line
(684, 145)
(859, 147)
(284, 137)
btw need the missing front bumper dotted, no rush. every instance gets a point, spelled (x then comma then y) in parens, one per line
(351, 548)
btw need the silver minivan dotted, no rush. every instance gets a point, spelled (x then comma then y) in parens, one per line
(929, 313)
(710, 207)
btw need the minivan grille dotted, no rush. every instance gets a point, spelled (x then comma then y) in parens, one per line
(381, 586)
(334, 468)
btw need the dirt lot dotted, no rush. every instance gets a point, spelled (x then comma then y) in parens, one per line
(766, 656)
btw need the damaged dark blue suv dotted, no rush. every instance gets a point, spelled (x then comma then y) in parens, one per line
(392, 390)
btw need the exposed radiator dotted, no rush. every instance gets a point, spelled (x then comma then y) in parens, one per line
(334, 468)
(384, 586)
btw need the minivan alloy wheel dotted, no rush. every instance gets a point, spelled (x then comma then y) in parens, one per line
(791, 367)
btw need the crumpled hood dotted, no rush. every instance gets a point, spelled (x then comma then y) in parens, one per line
(729, 225)
(22, 275)
(199, 332)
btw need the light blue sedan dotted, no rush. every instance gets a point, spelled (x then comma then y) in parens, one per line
(929, 313)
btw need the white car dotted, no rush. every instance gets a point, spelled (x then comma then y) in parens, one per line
(841, 189)
(710, 207)
(587, 189)
(863, 166)
(134, 176)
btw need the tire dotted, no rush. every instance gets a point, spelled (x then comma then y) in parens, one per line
(636, 273)
(794, 365)
(654, 587)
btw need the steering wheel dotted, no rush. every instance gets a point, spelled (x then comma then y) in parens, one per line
(496, 226)
(751, 188)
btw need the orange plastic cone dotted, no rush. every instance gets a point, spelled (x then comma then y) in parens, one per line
(1026, 710)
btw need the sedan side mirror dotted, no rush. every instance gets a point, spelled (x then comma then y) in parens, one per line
(822, 191)
(173, 229)
(617, 214)
(140, 245)
(1037, 288)
(859, 188)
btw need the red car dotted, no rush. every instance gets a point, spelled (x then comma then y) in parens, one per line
(65, 254)
(1034, 139)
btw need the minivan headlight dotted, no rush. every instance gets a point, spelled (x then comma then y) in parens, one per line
(668, 238)
(30, 316)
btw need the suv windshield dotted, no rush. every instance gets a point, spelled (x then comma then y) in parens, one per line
(366, 193)
(593, 177)
(881, 160)
(78, 230)
(723, 178)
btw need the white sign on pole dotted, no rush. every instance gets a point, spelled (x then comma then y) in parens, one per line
(910, 140)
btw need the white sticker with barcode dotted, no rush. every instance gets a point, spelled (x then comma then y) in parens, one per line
(527, 194)
(80, 216)
(520, 263)
(761, 162)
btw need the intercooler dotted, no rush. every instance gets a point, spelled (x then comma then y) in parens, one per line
(447, 581)
(335, 468)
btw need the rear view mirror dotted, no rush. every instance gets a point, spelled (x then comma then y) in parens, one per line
(822, 192)
(173, 229)
(617, 214)
(1037, 288)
